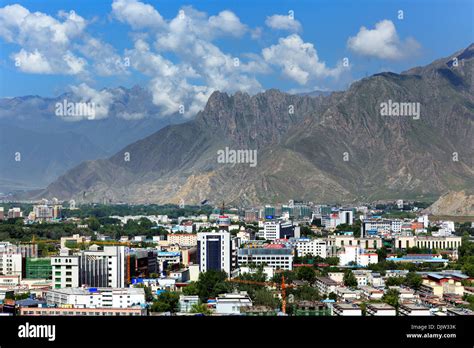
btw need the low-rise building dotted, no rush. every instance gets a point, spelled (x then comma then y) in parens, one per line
(346, 309)
(96, 297)
(411, 309)
(230, 304)
(380, 309)
(326, 285)
(186, 303)
(371, 293)
(71, 311)
(456, 311)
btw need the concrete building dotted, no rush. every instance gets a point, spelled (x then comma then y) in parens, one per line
(49, 311)
(278, 230)
(346, 309)
(214, 251)
(10, 264)
(183, 239)
(96, 297)
(380, 310)
(65, 270)
(307, 246)
(277, 258)
(231, 304)
(428, 242)
(356, 255)
(410, 309)
(326, 285)
(186, 303)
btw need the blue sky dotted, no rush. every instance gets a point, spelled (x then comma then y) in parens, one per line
(181, 60)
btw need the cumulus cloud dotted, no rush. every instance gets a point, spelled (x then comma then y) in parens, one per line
(137, 14)
(45, 41)
(106, 60)
(283, 22)
(298, 60)
(201, 66)
(32, 62)
(100, 99)
(382, 42)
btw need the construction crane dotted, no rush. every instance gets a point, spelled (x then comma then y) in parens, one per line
(283, 286)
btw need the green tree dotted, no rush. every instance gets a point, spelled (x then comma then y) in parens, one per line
(332, 296)
(306, 273)
(264, 297)
(332, 260)
(200, 308)
(394, 281)
(305, 293)
(191, 289)
(391, 297)
(212, 283)
(413, 280)
(93, 223)
(166, 302)
(349, 279)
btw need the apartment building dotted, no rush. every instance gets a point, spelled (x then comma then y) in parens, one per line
(96, 297)
(277, 258)
(183, 239)
(307, 246)
(10, 264)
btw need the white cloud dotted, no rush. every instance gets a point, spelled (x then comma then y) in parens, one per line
(32, 62)
(283, 22)
(201, 66)
(382, 42)
(226, 22)
(137, 14)
(45, 41)
(106, 61)
(101, 99)
(298, 59)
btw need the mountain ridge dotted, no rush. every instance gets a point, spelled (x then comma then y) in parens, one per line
(334, 148)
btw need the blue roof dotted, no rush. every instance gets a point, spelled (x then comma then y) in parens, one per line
(29, 302)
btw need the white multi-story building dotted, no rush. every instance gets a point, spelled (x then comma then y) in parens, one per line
(214, 251)
(96, 297)
(114, 256)
(354, 254)
(314, 247)
(428, 242)
(65, 270)
(10, 264)
(183, 239)
(278, 230)
(279, 258)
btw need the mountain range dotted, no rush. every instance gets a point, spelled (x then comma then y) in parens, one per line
(50, 145)
(335, 147)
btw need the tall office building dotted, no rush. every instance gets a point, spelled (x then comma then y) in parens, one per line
(215, 251)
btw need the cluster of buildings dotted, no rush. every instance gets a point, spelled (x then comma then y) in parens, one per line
(106, 277)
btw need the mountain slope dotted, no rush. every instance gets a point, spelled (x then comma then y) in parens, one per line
(51, 145)
(325, 148)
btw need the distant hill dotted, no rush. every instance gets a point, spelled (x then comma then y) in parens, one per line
(453, 204)
(335, 148)
(50, 145)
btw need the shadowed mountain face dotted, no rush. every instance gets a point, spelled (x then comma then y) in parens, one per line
(339, 147)
(50, 145)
